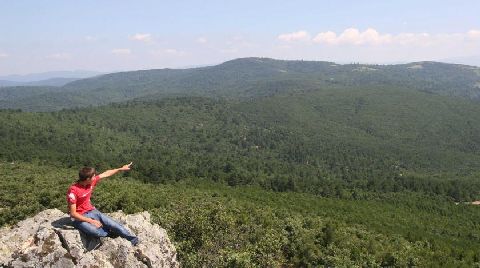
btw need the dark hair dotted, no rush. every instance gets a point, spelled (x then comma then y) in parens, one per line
(86, 173)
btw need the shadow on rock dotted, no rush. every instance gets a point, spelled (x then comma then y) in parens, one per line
(65, 223)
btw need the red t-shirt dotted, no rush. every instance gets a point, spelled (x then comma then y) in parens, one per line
(80, 195)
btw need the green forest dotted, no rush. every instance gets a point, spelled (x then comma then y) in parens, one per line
(325, 167)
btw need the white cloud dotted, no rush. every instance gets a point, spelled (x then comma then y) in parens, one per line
(121, 51)
(143, 37)
(371, 36)
(90, 38)
(3, 55)
(59, 56)
(202, 40)
(474, 34)
(326, 37)
(295, 36)
(353, 36)
(371, 45)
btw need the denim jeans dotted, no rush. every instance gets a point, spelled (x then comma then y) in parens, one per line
(108, 226)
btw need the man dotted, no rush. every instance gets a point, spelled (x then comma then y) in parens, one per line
(85, 216)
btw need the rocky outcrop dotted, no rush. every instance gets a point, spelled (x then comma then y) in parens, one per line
(49, 240)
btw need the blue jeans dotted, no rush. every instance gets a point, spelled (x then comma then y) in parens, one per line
(108, 226)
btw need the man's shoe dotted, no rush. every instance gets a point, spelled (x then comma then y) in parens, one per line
(135, 242)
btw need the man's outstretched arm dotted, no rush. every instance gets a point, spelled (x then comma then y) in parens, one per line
(111, 172)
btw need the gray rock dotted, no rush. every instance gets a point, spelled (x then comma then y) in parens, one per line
(49, 240)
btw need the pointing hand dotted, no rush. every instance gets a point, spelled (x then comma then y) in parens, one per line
(126, 167)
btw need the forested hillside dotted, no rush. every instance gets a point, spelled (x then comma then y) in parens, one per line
(258, 162)
(246, 78)
(221, 226)
(330, 142)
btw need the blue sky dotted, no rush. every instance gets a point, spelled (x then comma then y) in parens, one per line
(39, 36)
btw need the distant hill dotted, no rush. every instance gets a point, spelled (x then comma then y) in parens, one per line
(55, 82)
(250, 78)
(6, 83)
(54, 79)
(25, 78)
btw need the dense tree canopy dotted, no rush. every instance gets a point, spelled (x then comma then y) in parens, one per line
(217, 225)
(258, 162)
(330, 142)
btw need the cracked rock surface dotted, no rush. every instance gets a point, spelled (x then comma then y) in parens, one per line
(49, 240)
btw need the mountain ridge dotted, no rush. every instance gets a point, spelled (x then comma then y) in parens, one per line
(245, 78)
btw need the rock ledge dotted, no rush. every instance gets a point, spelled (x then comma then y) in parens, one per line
(49, 240)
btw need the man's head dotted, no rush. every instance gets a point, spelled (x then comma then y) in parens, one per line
(86, 173)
